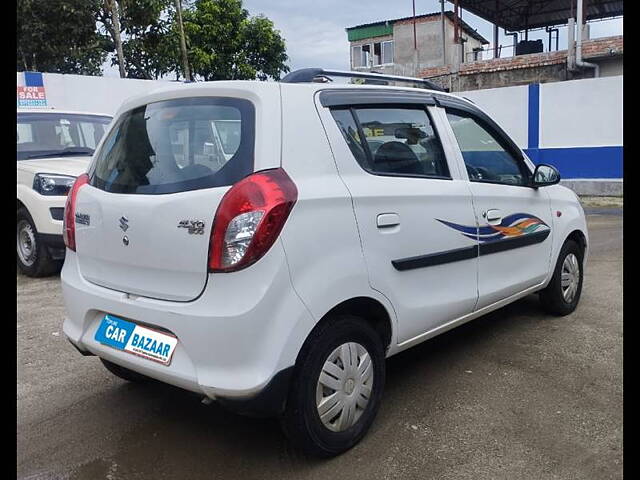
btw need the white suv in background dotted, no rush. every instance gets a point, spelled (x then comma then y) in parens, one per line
(54, 147)
(337, 225)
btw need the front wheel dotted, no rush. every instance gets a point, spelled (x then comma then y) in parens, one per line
(562, 295)
(337, 386)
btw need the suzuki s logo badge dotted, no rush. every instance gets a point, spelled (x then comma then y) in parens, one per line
(124, 223)
(194, 227)
(125, 240)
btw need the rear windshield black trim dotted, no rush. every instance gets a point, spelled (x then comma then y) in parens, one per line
(236, 168)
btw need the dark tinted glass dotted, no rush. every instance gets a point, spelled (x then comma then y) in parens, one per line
(397, 141)
(486, 159)
(177, 145)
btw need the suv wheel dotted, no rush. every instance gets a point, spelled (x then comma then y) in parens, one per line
(124, 373)
(562, 294)
(336, 387)
(32, 256)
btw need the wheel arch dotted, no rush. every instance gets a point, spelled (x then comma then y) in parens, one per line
(579, 237)
(369, 309)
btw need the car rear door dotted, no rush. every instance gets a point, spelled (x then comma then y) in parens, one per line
(405, 191)
(514, 233)
(143, 222)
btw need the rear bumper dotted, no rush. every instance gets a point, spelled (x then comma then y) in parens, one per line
(237, 343)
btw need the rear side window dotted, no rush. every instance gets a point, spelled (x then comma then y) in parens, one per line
(485, 156)
(393, 141)
(177, 145)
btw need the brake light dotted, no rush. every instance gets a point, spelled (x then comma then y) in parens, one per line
(249, 219)
(69, 221)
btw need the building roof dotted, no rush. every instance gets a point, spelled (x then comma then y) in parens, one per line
(385, 27)
(517, 15)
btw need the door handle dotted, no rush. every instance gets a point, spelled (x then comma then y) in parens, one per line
(493, 216)
(388, 220)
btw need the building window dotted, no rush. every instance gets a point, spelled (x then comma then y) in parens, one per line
(387, 52)
(379, 53)
(361, 55)
(366, 56)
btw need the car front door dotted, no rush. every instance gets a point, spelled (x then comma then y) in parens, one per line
(514, 219)
(404, 194)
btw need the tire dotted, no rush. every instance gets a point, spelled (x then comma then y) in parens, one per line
(554, 297)
(32, 256)
(301, 420)
(124, 373)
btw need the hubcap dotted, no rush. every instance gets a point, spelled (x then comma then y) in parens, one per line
(26, 243)
(570, 277)
(344, 387)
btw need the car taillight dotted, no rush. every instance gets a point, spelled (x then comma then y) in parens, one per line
(69, 222)
(249, 219)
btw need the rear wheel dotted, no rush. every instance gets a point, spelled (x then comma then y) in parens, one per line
(336, 388)
(562, 295)
(33, 258)
(124, 373)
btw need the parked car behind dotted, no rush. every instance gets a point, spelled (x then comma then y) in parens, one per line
(54, 147)
(336, 225)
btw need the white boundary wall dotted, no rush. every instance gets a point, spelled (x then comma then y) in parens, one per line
(91, 94)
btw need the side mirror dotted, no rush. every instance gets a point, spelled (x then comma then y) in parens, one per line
(545, 175)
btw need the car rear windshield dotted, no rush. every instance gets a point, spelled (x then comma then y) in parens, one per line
(177, 145)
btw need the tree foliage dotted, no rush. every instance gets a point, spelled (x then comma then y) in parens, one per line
(60, 36)
(148, 39)
(223, 41)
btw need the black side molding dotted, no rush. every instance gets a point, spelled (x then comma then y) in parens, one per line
(439, 258)
(467, 253)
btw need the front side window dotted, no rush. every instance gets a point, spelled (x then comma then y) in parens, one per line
(42, 135)
(485, 156)
(177, 145)
(393, 141)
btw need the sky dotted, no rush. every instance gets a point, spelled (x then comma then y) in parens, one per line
(314, 30)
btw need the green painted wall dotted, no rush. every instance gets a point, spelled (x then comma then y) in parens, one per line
(369, 32)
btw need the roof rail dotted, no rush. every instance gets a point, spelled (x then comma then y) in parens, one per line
(306, 75)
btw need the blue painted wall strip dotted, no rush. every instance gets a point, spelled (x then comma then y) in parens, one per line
(581, 162)
(534, 115)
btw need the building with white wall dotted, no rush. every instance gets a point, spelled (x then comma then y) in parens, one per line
(80, 92)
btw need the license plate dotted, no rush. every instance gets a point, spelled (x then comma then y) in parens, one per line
(132, 338)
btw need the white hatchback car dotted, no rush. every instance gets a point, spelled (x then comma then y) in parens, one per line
(54, 147)
(273, 263)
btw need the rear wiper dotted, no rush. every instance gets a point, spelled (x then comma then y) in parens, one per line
(67, 152)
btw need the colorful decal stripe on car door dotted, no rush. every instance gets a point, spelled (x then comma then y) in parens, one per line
(515, 231)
